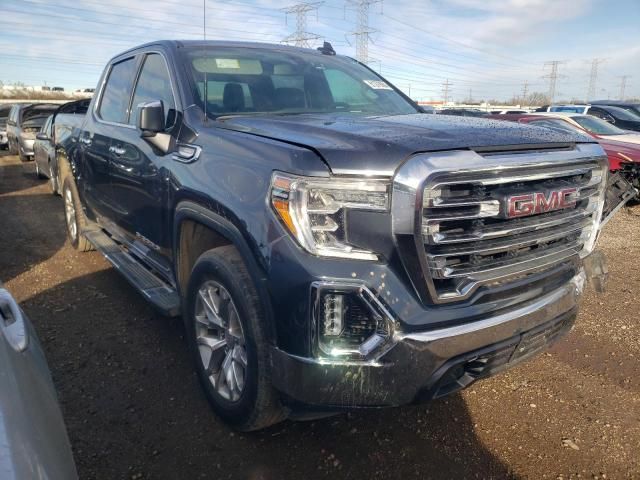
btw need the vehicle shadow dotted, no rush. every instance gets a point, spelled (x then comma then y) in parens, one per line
(16, 176)
(20, 216)
(134, 408)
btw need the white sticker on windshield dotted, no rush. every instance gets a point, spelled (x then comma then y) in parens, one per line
(378, 85)
(227, 63)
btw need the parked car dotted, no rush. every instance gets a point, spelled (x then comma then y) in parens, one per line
(632, 107)
(327, 245)
(506, 112)
(4, 114)
(463, 112)
(57, 89)
(24, 121)
(618, 116)
(33, 437)
(618, 153)
(57, 128)
(583, 109)
(598, 127)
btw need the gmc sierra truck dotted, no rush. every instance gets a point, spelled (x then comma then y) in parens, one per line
(328, 245)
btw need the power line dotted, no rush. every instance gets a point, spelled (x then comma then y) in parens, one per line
(553, 76)
(301, 38)
(623, 85)
(363, 32)
(593, 77)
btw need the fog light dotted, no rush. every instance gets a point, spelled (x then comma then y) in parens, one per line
(333, 318)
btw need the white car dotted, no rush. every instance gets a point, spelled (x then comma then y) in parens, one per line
(596, 126)
(582, 109)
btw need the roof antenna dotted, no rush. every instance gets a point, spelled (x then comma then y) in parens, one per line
(327, 49)
(204, 36)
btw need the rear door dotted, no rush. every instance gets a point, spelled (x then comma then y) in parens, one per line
(109, 118)
(137, 169)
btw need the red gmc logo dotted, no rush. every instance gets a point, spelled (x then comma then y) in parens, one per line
(539, 202)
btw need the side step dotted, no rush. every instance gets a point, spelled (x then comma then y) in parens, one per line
(164, 297)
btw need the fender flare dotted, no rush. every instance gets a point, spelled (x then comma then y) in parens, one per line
(189, 210)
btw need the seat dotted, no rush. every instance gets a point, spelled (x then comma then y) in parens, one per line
(233, 97)
(289, 98)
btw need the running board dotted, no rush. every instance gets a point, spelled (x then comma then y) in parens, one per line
(162, 296)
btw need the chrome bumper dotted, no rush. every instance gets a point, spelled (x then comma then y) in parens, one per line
(429, 364)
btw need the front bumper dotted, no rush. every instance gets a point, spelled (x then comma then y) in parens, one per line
(428, 364)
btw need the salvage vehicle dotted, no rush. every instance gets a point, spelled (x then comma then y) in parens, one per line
(631, 106)
(596, 127)
(4, 114)
(56, 128)
(328, 245)
(33, 436)
(620, 117)
(24, 121)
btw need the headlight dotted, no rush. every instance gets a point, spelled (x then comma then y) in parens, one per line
(314, 209)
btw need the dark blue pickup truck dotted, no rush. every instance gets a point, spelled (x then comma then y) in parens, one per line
(328, 245)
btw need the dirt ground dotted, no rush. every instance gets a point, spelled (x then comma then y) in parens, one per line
(134, 409)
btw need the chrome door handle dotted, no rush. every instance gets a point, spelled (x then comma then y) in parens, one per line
(12, 328)
(117, 150)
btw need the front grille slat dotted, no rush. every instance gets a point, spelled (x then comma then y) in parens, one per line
(469, 238)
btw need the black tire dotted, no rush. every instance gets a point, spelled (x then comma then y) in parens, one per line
(23, 158)
(70, 194)
(12, 150)
(258, 405)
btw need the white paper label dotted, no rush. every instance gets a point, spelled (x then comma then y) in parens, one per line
(377, 85)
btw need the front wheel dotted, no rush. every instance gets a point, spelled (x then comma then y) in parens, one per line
(53, 181)
(39, 173)
(228, 338)
(74, 217)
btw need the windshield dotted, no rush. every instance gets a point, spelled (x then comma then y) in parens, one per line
(251, 81)
(597, 126)
(556, 124)
(574, 109)
(622, 114)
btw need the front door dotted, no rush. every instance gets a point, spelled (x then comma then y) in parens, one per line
(138, 176)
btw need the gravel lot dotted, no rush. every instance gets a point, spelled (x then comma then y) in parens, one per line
(134, 408)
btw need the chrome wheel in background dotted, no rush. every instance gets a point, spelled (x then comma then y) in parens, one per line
(70, 214)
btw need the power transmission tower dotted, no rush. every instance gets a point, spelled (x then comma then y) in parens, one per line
(623, 85)
(593, 78)
(470, 100)
(363, 31)
(445, 90)
(553, 77)
(301, 38)
(525, 91)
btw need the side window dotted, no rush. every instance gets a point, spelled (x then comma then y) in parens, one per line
(115, 98)
(154, 84)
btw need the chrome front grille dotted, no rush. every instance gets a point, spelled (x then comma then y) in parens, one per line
(463, 233)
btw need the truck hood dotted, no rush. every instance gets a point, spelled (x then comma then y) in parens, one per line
(378, 145)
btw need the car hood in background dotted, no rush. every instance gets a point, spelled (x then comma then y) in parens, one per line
(631, 137)
(378, 145)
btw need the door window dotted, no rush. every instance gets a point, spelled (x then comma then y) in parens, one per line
(154, 84)
(114, 106)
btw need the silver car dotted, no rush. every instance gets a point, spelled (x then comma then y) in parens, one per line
(4, 113)
(24, 122)
(33, 437)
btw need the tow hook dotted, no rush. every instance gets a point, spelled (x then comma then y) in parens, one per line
(595, 266)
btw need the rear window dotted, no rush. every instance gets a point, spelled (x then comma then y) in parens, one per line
(114, 105)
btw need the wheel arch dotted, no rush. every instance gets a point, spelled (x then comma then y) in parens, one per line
(209, 230)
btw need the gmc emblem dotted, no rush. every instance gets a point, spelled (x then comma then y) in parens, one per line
(539, 202)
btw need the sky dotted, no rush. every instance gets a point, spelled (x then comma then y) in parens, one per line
(485, 49)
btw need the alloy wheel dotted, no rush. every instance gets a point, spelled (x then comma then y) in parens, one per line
(220, 340)
(70, 213)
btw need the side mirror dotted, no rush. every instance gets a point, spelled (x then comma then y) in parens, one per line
(151, 118)
(42, 136)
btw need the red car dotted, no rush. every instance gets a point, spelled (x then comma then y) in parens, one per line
(617, 152)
